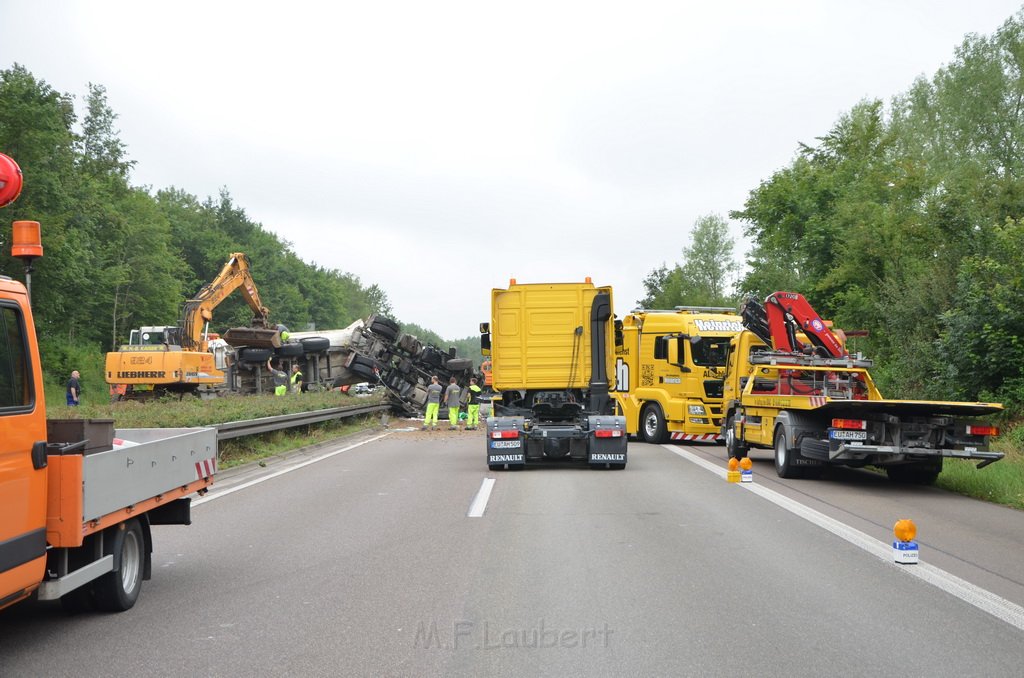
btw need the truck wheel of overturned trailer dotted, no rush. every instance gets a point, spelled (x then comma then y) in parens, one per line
(252, 354)
(733, 446)
(652, 424)
(920, 473)
(117, 591)
(784, 457)
(292, 349)
(314, 344)
(385, 327)
(459, 364)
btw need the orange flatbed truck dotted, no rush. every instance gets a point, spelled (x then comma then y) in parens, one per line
(75, 515)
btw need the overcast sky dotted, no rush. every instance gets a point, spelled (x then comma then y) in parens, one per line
(438, 149)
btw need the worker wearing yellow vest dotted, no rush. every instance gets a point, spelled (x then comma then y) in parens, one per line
(296, 379)
(279, 379)
(473, 409)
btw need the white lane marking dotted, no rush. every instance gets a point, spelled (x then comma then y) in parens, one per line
(984, 600)
(218, 494)
(476, 509)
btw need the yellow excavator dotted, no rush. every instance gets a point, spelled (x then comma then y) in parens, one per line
(178, 360)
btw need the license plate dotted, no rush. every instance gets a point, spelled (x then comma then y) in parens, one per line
(505, 444)
(848, 435)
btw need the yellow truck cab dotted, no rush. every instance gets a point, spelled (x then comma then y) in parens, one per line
(552, 349)
(669, 370)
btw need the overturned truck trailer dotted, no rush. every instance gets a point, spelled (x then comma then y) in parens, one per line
(373, 350)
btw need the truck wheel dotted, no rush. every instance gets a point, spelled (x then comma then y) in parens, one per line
(367, 368)
(459, 364)
(733, 446)
(292, 349)
(117, 591)
(251, 354)
(385, 327)
(652, 424)
(314, 344)
(923, 473)
(784, 456)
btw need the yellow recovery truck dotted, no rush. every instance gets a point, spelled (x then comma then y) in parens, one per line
(669, 369)
(552, 347)
(816, 405)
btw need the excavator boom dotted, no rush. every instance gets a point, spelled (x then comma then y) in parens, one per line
(199, 310)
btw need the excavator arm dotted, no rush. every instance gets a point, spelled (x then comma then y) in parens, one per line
(199, 310)
(782, 316)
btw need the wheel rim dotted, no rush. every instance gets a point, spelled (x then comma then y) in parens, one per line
(130, 558)
(730, 439)
(780, 452)
(651, 424)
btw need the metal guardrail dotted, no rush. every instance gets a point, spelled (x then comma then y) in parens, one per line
(237, 429)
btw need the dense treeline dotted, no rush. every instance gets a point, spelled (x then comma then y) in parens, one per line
(119, 256)
(907, 220)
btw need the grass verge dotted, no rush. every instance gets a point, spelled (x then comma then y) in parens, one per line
(238, 451)
(999, 483)
(187, 412)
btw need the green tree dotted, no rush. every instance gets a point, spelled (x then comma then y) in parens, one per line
(705, 275)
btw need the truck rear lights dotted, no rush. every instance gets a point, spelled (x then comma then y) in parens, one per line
(859, 424)
(975, 430)
(607, 433)
(497, 435)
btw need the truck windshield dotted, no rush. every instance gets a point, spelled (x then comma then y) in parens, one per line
(710, 351)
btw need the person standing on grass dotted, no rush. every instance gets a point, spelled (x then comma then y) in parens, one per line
(433, 404)
(453, 396)
(74, 389)
(279, 379)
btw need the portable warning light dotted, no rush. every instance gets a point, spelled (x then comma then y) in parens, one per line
(905, 550)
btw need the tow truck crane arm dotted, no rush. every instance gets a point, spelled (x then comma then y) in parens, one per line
(783, 314)
(199, 310)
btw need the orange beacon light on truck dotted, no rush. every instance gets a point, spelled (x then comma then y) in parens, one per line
(26, 243)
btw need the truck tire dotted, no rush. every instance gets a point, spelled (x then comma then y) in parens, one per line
(459, 364)
(921, 473)
(292, 349)
(366, 368)
(652, 424)
(735, 448)
(250, 354)
(117, 591)
(784, 456)
(315, 344)
(384, 327)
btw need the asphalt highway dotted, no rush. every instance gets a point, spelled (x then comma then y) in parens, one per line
(392, 554)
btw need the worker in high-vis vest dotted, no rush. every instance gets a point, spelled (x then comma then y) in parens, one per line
(473, 409)
(433, 404)
(453, 397)
(279, 379)
(296, 379)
